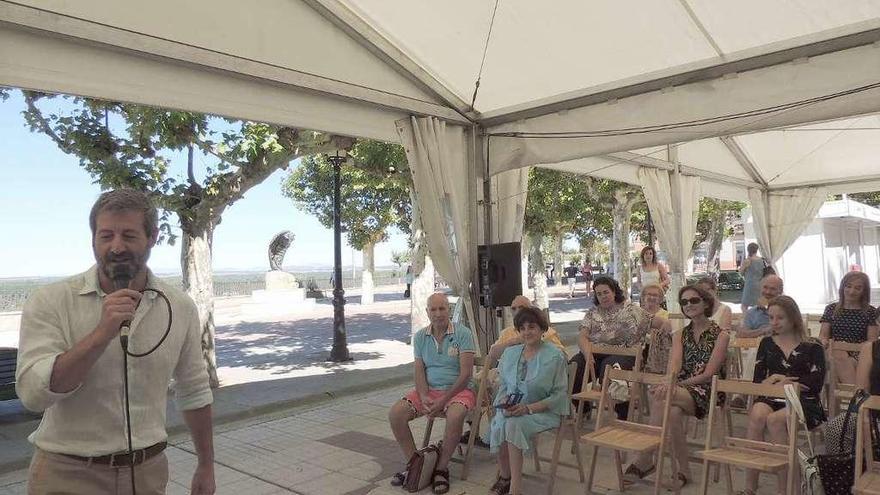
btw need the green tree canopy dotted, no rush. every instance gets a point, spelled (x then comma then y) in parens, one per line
(375, 191)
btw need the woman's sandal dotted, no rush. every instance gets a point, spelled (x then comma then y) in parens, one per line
(440, 482)
(501, 486)
(636, 472)
(679, 481)
(398, 479)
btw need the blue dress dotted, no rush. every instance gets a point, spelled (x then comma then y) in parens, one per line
(752, 285)
(543, 378)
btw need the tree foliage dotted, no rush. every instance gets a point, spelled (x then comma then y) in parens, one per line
(869, 198)
(374, 192)
(715, 214)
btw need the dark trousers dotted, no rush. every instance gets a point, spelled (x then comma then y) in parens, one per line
(601, 361)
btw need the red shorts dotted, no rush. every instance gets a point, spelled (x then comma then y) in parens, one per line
(466, 397)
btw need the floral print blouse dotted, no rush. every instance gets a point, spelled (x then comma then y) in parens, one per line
(624, 325)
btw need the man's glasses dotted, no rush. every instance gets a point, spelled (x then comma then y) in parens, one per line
(691, 300)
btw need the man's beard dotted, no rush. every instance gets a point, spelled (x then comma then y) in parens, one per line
(135, 263)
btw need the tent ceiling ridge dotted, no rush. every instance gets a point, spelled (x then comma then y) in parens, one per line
(651, 162)
(86, 31)
(828, 182)
(743, 159)
(835, 40)
(368, 36)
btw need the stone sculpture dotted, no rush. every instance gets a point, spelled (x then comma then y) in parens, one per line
(277, 249)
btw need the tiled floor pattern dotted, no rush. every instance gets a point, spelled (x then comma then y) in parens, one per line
(345, 447)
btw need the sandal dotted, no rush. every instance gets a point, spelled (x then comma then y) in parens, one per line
(501, 486)
(440, 482)
(682, 482)
(398, 479)
(636, 472)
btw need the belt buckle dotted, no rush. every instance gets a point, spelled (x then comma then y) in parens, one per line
(113, 460)
(132, 461)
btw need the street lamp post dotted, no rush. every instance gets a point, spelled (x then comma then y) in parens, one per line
(339, 352)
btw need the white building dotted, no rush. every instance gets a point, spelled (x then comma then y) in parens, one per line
(844, 236)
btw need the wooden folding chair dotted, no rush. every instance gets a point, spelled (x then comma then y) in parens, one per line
(749, 454)
(475, 416)
(735, 370)
(590, 391)
(838, 392)
(568, 423)
(627, 436)
(868, 481)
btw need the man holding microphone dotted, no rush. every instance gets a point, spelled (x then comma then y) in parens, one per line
(70, 365)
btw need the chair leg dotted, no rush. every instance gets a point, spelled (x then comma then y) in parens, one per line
(619, 465)
(554, 459)
(592, 471)
(704, 478)
(472, 438)
(535, 453)
(728, 477)
(577, 420)
(576, 443)
(428, 429)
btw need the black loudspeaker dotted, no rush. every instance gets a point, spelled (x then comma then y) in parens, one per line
(500, 273)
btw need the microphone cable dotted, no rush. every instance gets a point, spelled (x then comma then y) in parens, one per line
(123, 341)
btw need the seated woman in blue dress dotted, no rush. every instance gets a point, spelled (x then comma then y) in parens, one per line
(786, 356)
(532, 397)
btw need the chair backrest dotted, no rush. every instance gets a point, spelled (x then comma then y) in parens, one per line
(635, 351)
(743, 343)
(863, 438)
(747, 388)
(635, 379)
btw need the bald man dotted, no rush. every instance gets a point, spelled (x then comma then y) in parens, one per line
(444, 362)
(509, 336)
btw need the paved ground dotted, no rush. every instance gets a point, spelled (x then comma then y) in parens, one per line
(279, 363)
(344, 447)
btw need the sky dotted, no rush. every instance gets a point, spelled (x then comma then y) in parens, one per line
(46, 198)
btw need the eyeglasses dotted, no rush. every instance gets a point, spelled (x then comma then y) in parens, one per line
(692, 300)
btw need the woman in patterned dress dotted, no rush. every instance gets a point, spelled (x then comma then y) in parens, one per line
(612, 321)
(786, 356)
(698, 354)
(851, 319)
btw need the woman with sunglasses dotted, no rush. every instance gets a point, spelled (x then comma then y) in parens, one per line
(785, 357)
(532, 397)
(698, 354)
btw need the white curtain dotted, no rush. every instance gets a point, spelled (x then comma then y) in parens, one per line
(673, 200)
(509, 190)
(780, 217)
(438, 160)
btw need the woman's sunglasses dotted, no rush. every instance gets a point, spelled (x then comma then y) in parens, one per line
(691, 300)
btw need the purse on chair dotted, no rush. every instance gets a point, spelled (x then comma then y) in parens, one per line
(811, 482)
(420, 468)
(837, 470)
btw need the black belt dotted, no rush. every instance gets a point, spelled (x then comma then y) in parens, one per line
(124, 458)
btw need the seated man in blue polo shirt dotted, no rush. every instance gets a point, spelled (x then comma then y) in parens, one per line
(444, 363)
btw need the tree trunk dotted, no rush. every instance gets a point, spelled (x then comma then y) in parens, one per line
(198, 283)
(539, 275)
(557, 258)
(622, 218)
(367, 274)
(422, 271)
(716, 237)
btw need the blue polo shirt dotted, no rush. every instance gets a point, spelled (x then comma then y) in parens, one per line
(756, 318)
(441, 358)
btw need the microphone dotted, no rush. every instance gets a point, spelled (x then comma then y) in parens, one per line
(121, 277)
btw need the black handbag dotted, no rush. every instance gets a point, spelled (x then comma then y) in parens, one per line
(838, 470)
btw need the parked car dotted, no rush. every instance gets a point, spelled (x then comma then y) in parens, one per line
(730, 280)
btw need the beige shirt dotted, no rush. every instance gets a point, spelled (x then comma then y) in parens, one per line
(90, 420)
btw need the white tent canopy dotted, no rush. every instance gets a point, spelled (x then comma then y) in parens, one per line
(754, 95)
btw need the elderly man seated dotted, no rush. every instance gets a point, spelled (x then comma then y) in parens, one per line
(444, 363)
(509, 336)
